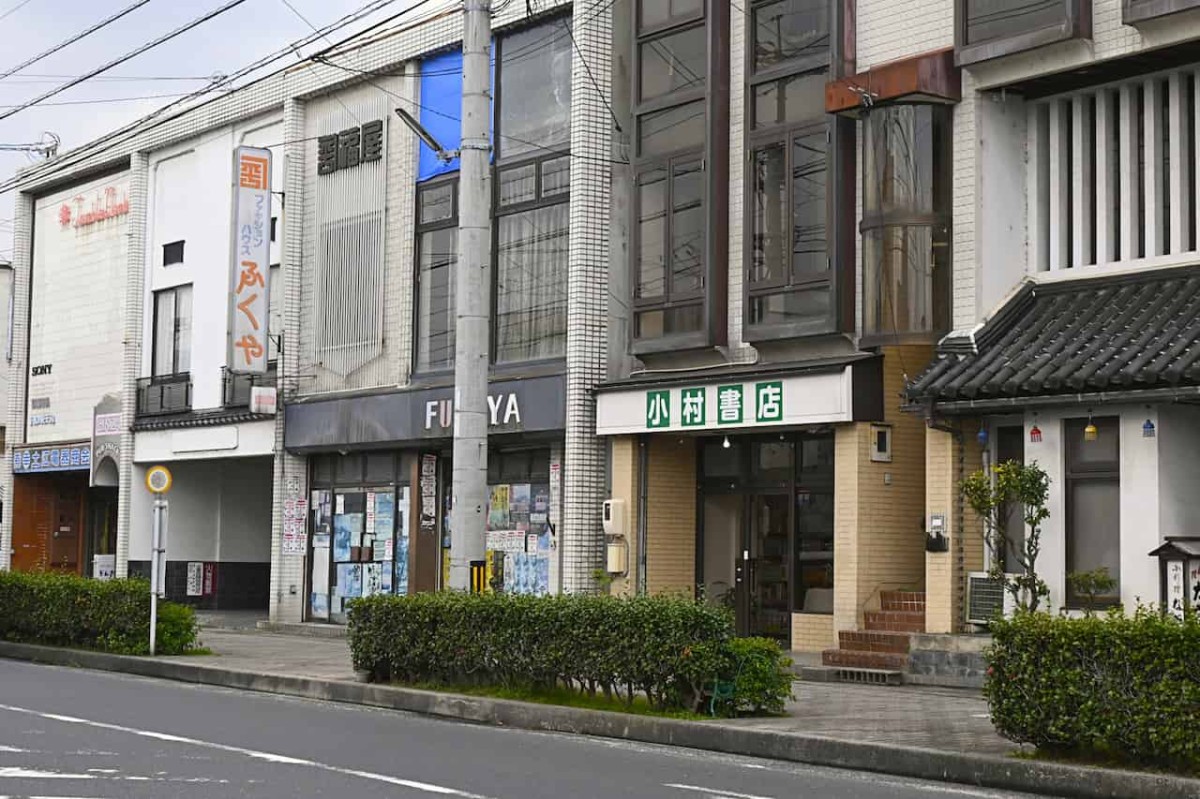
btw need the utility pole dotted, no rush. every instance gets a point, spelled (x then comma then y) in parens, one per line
(473, 294)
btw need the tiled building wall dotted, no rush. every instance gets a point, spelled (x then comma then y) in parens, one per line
(892, 29)
(671, 515)
(15, 428)
(812, 633)
(587, 298)
(879, 507)
(947, 460)
(623, 458)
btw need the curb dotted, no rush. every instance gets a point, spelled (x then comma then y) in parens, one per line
(1054, 779)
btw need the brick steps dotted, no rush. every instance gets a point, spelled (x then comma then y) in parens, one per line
(874, 641)
(881, 661)
(896, 621)
(906, 601)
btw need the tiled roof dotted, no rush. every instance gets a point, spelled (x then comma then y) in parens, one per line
(1132, 332)
(208, 418)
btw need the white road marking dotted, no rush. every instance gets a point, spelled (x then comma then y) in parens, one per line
(12, 749)
(269, 757)
(718, 793)
(18, 773)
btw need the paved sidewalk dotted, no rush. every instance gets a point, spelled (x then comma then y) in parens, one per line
(933, 718)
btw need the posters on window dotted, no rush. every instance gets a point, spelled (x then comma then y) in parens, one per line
(428, 488)
(349, 580)
(498, 508)
(347, 534)
(518, 530)
(319, 605)
(372, 582)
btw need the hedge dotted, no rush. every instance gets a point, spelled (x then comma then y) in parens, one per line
(672, 651)
(1114, 686)
(108, 615)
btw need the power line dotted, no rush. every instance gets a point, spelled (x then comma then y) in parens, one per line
(308, 62)
(144, 123)
(71, 40)
(15, 8)
(567, 26)
(121, 60)
(103, 100)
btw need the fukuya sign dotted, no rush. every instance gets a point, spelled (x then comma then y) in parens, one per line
(250, 271)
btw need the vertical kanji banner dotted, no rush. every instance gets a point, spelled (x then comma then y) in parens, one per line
(250, 271)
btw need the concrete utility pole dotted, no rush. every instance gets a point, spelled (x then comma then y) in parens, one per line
(473, 282)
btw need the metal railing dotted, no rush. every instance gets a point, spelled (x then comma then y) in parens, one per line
(164, 394)
(235, 388)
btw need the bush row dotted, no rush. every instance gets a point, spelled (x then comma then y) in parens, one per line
(1115, 686)
(109, 615)
(669, 650)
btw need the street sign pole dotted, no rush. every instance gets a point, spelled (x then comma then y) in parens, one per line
(158, 481)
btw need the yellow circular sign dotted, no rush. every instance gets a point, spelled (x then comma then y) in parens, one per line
(158, 479)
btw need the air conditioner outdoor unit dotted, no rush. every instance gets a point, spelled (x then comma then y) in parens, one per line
(986, 598)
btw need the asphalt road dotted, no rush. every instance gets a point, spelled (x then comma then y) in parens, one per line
(95, 735)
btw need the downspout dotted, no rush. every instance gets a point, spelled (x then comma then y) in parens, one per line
(643, 491)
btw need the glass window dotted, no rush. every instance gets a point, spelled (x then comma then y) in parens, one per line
(669, 322)
(1001, 19)
(673, 63)
(659, 12)
(678, 128)
(381, 467)
(791, 307)
(652, 227)
(1093, 498)
(789, 29)
(687, 228)
(438, 256)
(769, 222)
(518, 184)
(535, 89)
(906, 220)
(172, 330)
(556, 176)
(173, 252)
(813, 547)
(791, 99)
(437, 203)
(531, 284)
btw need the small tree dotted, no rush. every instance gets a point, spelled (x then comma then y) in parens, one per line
(993, 496)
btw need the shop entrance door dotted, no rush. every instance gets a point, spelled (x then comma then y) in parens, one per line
(763, 594)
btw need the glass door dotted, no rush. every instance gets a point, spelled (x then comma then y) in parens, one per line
(768, 549)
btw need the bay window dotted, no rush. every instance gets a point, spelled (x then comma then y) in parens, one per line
(790, 286)
(680, 142)
(906, 221)
(986, 29)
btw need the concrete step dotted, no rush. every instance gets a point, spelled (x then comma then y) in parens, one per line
(308, 629)
(847, 674)
(897, 621)
(908, 601)
(874, 641)
(886, 661)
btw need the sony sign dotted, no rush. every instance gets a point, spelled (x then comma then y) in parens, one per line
(503, 409)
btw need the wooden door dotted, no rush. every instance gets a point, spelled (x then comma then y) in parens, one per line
(31, 520)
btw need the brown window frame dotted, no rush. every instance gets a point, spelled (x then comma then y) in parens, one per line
(713, 155)
(1135, 11)
(1076, 24)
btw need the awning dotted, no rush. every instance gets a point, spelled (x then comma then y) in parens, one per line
(1130, 337)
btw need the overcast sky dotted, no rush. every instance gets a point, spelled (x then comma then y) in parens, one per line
(182, 65)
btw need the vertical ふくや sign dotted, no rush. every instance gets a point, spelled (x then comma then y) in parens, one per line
(250, 269)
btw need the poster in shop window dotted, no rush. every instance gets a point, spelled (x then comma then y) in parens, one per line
(372, 579)
(347, 533)
(349, 580)
(519, 500)
(498, 508)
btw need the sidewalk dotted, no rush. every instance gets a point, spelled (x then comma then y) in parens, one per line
(947, 719)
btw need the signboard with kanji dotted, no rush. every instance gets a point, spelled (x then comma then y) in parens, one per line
(250, 271)
(815, 398)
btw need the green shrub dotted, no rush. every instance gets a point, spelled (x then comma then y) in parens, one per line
(1114, 685)
(109, 615)
(645, 646)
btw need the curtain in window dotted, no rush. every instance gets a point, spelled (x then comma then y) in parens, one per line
(531, 284)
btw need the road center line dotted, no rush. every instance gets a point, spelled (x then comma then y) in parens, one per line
(270, 757)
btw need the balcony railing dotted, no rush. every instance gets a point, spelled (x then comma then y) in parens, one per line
(235, 388)
(164, 394)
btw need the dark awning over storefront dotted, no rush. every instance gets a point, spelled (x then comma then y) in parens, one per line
(1131, 337)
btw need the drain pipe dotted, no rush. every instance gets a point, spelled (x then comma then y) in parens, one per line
(643, 490)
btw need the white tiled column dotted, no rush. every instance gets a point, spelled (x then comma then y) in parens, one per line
(15, 424)
(587, 299)
(291, 472)
(135, 282)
